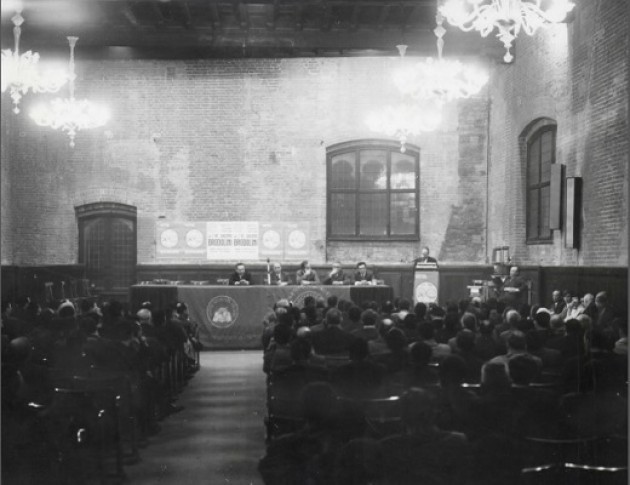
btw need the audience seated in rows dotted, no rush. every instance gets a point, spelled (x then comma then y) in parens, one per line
(484, 378)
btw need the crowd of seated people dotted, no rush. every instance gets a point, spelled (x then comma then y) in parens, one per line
(65, 362)
(477, 390)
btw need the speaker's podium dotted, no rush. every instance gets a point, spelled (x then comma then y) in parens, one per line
(426, 283)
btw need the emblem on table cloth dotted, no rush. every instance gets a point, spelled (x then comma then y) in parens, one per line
(222, 311)
(298, 294)
(426, 292)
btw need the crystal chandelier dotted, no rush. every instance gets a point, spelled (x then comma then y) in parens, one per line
(508, 16)
(439, 79)
(405, 120)
(69, 114)
(20, 72)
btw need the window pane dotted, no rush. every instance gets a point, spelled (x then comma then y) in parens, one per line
(373, 215)
(403, 172)
(342, 175)
(404, 213)
(532, 214)
(373, 165)
(546, 144)
(545, 232)
(545, 170)
(342, 213)
(533, 163)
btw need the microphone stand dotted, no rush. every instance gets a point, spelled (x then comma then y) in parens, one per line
(268, 273)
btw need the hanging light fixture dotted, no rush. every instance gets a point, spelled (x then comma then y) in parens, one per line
(405, 120)
(70, 115)
(440, 80)
(20, 72)
(509, 17)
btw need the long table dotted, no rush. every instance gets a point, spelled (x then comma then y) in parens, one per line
(231, 317)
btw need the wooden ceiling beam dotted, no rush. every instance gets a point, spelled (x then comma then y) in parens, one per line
(127, 12)
(187, 18)
(216, 17)
(272, 14)
(382, 18)
(326, 17)
(354, 19)
(157, 12)
(299, 16)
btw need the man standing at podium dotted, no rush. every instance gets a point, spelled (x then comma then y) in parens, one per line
(515, 288)
(425, 258)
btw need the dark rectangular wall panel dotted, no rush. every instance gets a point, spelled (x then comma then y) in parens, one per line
(555, 203)
(574, 192)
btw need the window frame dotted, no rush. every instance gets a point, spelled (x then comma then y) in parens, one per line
(540, 129)
(365, 145)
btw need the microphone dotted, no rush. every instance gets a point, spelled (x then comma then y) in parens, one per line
(268, 273)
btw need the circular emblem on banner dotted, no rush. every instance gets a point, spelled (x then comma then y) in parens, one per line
(299, 294)
(271, 239)
(297, 239)
(222, 311)
(426, 292)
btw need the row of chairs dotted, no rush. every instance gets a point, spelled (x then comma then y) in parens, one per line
(98, 421)
(597, 460)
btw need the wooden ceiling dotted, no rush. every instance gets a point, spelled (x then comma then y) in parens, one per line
(191, 29)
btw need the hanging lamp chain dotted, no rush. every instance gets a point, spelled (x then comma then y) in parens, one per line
(72, 40)
(439, 32)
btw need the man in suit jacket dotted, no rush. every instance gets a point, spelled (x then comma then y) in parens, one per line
(305, 275)
(277, 277)
(363, 276)
(240, 276)
(425, 258)
(337, 276)
(331, 339)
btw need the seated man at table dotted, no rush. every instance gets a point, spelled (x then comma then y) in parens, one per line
(277, 277)
(240, 276)
(305, 275)
(363, 276)
(337, 276)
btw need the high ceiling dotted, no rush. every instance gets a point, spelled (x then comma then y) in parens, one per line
(180, 29)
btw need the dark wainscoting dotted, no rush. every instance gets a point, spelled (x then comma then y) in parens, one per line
(30, 280)
(614, 281)
(42, 282)
(454, 278)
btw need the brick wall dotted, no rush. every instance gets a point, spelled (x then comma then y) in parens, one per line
(578, 76)
(235, 140)
(6, 202)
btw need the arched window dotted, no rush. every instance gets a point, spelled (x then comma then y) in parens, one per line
(107, 246)
(540, 155)
(372, 191)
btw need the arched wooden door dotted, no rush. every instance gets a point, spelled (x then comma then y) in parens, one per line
(107, 247)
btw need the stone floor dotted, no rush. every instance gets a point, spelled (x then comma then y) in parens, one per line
(219, 436)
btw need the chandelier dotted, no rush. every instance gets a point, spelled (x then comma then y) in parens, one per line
(69, 114)
(508, 16)
(439, 80)
(20, 72)
(405, 120)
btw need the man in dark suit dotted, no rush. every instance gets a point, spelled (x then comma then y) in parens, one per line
(514, 288)
(337, 276)
(240, 276)
(363, 276)
(331, 339)
(425, 258)
(277, 277)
